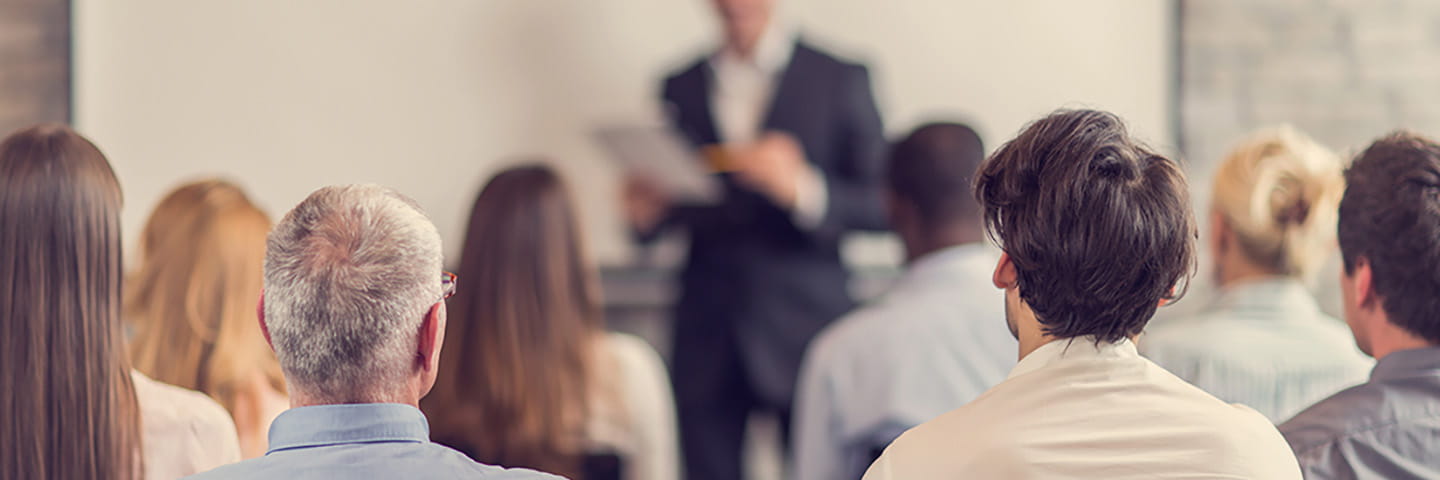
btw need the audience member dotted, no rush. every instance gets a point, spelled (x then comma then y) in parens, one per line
(1389, 427)
(1264, 342)
(192, 303)
(1096, 231)
(933, 342)
(530, 377)
(72, 406)
(354, 308)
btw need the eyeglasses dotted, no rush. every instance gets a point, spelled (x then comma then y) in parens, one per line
(447, 283)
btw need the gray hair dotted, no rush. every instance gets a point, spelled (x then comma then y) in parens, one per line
(349, 275)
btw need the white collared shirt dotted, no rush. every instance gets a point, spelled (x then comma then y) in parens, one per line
(1075, 410)
(931, 343)
(1265, 344)
(740, 99)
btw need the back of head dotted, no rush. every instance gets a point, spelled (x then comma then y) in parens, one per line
(1098, 226)
(1278, 192)
(1390, 218)
(192, 300)
(514, 382)
(350, 273)
(932, 169)
(68, 402)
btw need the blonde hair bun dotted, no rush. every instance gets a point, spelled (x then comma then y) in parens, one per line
(1279, 191)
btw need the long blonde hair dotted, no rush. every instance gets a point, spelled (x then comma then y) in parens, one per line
(192, 301)
(1279, 192)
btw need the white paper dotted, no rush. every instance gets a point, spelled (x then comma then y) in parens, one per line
(662, 155)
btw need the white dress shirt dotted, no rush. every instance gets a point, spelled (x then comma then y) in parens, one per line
(740, 99)
(1265, 344)
(633, 410)
(931, 343)
(1075, 410)
(183, 432)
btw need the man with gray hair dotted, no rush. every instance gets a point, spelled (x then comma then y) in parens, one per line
(354, 309)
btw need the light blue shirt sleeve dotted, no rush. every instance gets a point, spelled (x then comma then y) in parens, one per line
(818, 454)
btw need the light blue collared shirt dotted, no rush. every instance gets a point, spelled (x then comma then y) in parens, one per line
(1387, 428)
(1264, 344)
(934, 341)
(359, 442)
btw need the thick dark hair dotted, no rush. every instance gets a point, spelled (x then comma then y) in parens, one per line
(1098, 226)
(66, 393)
(515, 380)
(1390, 216)
(933, 167)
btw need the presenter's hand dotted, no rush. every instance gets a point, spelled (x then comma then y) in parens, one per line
(644, 202)
(772, 166)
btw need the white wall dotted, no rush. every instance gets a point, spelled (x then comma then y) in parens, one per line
(431, 97)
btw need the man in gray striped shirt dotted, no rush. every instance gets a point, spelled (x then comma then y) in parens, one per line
(1388, 427)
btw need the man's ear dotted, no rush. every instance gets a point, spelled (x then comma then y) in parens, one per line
(1005, 276)
(1361, 281)
(1168, 297)
(432, 337)
(260, 314)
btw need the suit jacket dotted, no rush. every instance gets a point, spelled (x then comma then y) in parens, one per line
(753, 276)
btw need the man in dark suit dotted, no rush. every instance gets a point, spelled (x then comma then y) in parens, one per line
(799, 140)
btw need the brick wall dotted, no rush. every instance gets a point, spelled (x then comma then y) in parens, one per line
(34, 62)
(1344, 71)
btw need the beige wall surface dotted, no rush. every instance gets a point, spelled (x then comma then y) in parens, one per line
(431, 97)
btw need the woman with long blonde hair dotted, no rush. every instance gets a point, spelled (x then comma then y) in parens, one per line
(1265, 342)
(70, 406)
(192, 304)
(530, 378)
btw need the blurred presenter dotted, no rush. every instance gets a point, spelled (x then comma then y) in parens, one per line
(795, 138)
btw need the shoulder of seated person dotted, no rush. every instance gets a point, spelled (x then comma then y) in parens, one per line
(492, 472)
(630, 350)
(176, 405)
(1360, 408)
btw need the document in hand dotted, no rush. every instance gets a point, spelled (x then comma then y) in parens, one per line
(665, 157)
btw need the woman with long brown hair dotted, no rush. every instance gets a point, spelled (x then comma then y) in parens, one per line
(192, 303)
(71, 407)
(529, 377)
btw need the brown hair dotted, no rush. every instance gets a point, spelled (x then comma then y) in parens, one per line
(1098, 226)
(1278, 191)
(193, 299)
(514, 381)
(1390, 216)
(68, 405)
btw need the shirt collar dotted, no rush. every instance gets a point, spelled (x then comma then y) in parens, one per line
(1267, 294)
(323, 425)
(1072, 349)
(1408, 363)
(772, 53)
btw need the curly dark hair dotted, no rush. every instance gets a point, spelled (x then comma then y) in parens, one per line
(1098, 226)
(1390, 217)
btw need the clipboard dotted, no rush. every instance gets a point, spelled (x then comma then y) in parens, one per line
(663, 155)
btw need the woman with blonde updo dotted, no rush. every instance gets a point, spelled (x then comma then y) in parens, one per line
(192, 304)
(1264, 342)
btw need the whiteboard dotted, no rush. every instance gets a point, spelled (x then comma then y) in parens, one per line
(432, 97)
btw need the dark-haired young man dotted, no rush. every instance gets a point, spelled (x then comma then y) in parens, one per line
(1097, 232)
(932, 342)
(1389, 427)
